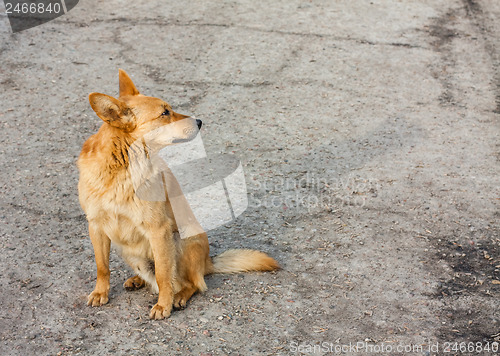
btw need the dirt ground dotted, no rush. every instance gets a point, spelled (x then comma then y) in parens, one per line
(369, 133)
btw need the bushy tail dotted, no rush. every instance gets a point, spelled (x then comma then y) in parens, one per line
(242, 260)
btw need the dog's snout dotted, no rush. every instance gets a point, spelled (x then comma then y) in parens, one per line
(199, 123)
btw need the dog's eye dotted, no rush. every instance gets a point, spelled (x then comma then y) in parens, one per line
(165, 113)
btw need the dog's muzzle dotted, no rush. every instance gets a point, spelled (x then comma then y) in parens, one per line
(199, 123)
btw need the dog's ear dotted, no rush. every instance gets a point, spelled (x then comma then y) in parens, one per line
(127, 87)
(113, 111)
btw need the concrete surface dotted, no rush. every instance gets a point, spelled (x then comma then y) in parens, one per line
(369, 131)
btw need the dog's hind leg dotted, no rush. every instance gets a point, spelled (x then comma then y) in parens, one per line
(134, 283)
(181, 298)
(192, 267)
(145, 273)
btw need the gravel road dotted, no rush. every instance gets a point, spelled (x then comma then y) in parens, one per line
(369, 135)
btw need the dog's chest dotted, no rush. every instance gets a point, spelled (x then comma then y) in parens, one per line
(128, 222)
(124, 227)
(118, 211)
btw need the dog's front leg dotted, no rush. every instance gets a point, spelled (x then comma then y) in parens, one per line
(101, 245)
(163, 246)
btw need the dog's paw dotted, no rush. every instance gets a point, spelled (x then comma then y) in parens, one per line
(179, 302)
(96, 299)
(181, 298)
(134, 283)
(159, 312)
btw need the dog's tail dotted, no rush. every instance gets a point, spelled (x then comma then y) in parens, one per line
(242, 260)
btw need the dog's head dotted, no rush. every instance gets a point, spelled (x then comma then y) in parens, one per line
(143, 116)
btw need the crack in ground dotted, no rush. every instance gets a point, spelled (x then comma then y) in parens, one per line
(478, 18)
(157, 22)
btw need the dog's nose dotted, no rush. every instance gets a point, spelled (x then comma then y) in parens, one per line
(199, 123)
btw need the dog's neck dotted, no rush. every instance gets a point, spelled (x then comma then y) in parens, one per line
(107, 155)
(118, 145)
